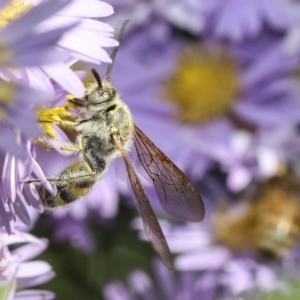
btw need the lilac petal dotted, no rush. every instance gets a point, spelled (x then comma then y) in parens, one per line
(92, 50)
(96, 25)
(37, 170)
(21, 210)
(276, 16)
(38, 279)
(202, 260)
(38, 80)
(32, 197)
(116, 291)
(11, 146)
(20, 27)
(3, 3)
(280, 112)
(101, 40)
(20, 237)
(165, 279)
(140, 282)
(87, 9)
(29, 251)
(238, 178)
(34, 295)
(99, 28)
(33, 269)
(77, 232)
(238, 277)
(24, 169)
(206, 285)
(66, 78)
(12, 179)
(21, 118)
(5, 176)
(25, 95)
(44, 57)
(188, 240)
(267, 279)
(4, 217)
(42, 41)
(268, 160)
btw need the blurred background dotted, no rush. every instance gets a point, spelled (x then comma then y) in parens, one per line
(216, 85)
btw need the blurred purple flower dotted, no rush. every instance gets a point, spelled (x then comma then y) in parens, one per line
(229, 274)
(167, 286)
(223, 108)
(292, 40)
(237, 20)
(17, 274)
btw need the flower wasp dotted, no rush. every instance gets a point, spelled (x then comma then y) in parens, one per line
(105, 131)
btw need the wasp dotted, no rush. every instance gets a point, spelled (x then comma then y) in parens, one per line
(106, 130)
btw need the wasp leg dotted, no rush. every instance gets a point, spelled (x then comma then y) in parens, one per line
(70, 148)
(71, 178)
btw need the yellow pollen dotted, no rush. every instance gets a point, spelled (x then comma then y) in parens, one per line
(13, 10)
(52, 116)
(204, 85)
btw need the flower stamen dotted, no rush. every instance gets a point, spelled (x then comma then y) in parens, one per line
(13, 10)
(204, 85)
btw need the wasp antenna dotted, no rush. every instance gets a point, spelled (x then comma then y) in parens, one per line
(97, 77)
(115, 50)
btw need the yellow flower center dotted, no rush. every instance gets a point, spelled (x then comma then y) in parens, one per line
(13, 10)
(204, 85)
(7, 90)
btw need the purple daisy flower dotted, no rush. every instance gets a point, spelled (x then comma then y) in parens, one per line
(204, 99)
(76, 15)
(17, 272)
(20, 43)
(237, 20)
(228, 274)
(16, 195)
(167, 286)
(38, 33)
(85, 42)
(248, 246)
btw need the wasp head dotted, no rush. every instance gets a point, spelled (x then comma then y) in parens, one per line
(99, 96)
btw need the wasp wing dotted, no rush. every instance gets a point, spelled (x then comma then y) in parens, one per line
(151, 226)
(176, 193)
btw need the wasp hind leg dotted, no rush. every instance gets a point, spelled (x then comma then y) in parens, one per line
(72, 184)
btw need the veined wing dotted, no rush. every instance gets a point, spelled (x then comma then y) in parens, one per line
(151, 226)
(176, 193)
